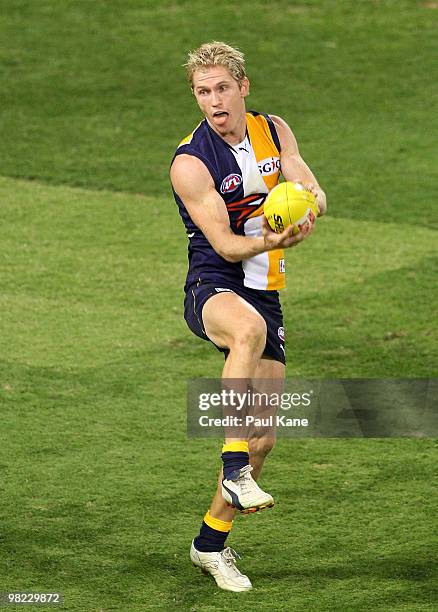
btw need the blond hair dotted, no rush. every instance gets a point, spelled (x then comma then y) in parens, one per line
(216, 54)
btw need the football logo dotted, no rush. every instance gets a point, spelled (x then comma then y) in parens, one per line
(279, 225)
(231, 183)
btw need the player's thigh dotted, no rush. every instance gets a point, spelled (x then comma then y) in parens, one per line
(229, 319)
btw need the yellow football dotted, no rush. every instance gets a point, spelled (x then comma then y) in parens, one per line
(289, 204)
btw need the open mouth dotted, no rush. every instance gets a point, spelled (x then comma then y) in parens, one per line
(220, 114)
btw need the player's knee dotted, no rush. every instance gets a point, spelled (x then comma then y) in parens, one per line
(261, 447)
(251, 335)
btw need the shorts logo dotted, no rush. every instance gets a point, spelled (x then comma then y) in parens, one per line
(221, 289)
(231, 183)
(281, 333)
(282, 266)
(268, 166)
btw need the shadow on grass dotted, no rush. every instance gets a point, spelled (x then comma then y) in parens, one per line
(389, 568)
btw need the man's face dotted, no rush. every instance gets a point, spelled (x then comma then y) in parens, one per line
(220, 97)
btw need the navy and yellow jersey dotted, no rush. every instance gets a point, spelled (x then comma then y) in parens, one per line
(243, 175)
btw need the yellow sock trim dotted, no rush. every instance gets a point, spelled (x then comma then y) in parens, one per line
(216, 523)
(236, 447)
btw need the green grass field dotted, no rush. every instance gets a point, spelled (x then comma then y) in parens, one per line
(101, 491)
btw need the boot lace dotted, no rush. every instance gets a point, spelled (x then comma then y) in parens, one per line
(246, 481)
(229, 555)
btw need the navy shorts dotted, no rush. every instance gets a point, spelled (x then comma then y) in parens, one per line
(266, 303)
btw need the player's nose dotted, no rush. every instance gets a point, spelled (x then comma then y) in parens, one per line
(215, 99)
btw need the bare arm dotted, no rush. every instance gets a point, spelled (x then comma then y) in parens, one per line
(194, 185)
(293, 167)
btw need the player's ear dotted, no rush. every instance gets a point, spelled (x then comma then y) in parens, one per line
(244, 87)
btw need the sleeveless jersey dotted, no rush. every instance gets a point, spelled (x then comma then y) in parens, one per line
(243, 175)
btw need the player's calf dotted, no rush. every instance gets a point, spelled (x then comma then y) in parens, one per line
(259, 448)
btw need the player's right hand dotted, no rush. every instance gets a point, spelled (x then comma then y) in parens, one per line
(286, 239)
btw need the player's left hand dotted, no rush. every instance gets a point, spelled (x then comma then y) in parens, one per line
(319, 196)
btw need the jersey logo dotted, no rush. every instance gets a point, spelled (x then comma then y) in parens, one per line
(268, 166)
(231, 183)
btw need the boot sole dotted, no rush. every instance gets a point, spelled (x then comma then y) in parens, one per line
(253, 509)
